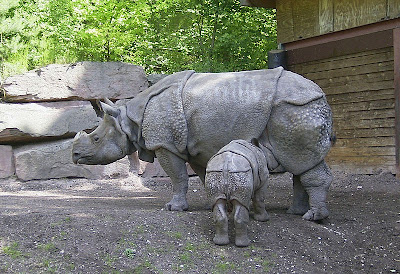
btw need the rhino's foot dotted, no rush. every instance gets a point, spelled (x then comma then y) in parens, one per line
(241, 237)
(221, 239)
(242, 240)
(298, 210)
(315, 214)
(261, 217)
(177, 204)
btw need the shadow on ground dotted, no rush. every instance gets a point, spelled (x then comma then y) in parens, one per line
(112, 226)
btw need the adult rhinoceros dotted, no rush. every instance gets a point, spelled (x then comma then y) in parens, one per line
(188, 117)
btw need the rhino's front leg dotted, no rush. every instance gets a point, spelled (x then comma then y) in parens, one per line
(175, 168)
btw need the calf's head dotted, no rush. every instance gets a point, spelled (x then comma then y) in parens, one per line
(106, 144)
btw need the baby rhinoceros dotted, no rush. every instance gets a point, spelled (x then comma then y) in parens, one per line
(235, 175)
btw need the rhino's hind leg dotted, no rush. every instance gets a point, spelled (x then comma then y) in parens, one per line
(316, 182)
(300, 203)
(221, 223)
(260, 214)
(175, 168)
(241, 220)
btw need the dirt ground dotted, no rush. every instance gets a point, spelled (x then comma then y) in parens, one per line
(118, 225)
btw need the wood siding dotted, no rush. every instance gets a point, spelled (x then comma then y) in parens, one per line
(308, 18)
(359, 88)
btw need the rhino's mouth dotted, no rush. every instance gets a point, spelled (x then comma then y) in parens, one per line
(78, 159)
(81, 161)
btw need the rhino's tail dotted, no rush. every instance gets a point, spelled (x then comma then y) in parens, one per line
(333, 139)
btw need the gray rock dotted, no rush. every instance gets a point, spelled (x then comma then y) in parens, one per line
(24, 122)
(154, 78)
(53, 160)
(6, 162)
(83, 80)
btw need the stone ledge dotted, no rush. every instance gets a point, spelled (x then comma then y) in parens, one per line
(79, 81)
(35, 121)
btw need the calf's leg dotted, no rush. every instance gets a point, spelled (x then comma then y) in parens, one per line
(221, 223)
(260, 214)
(241, 220)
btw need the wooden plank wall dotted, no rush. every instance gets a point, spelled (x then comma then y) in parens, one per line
(360, 90)
(308, 18)
(353, 13)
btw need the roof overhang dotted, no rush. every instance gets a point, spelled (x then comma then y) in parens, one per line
(259, 3)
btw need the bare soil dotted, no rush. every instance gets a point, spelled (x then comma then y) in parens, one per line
(118, 225)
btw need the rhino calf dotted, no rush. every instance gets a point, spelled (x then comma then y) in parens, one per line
(236, 174)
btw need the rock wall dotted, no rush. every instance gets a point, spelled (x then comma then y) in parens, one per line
(42, 110)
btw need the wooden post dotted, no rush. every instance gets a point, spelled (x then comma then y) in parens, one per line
(277, 58)
(396, 50)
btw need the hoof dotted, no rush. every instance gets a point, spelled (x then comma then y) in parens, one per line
(261, 217)
(177, 205)
(297, 210)
(315, 214)
(242, 241)
(221, 240)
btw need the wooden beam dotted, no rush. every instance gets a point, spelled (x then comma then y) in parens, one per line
(344, 34)
(396, 49)
(372, 41)
(369, 37)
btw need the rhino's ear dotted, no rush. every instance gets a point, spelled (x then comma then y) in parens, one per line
(109, 102)
(97, 108)
(255, 142)
(110, 110)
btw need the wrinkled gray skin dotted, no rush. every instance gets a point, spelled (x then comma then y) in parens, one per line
(237, 175)
(297, 133)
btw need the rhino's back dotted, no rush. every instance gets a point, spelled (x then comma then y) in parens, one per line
(220, 107)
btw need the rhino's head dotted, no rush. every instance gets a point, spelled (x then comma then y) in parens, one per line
(106, 144)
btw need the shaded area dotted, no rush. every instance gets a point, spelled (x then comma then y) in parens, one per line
(104, 226)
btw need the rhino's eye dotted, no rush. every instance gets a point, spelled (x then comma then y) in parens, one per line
(96, 138)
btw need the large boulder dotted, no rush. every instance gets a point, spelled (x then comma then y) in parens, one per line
(6, 162)
(53, 160)
(79, 81)
(27, 122)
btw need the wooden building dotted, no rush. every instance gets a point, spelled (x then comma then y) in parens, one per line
(351, 49)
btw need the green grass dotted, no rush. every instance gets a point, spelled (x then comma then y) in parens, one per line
(142, 267)
(12, 250)
(176, 235)
(49, 247)
(224, 267)
(130, 253)
(267, 265)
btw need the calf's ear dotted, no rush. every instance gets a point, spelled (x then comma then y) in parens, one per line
(110, 110)
(255, 142)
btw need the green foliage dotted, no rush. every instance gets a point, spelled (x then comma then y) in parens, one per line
(162, 36)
